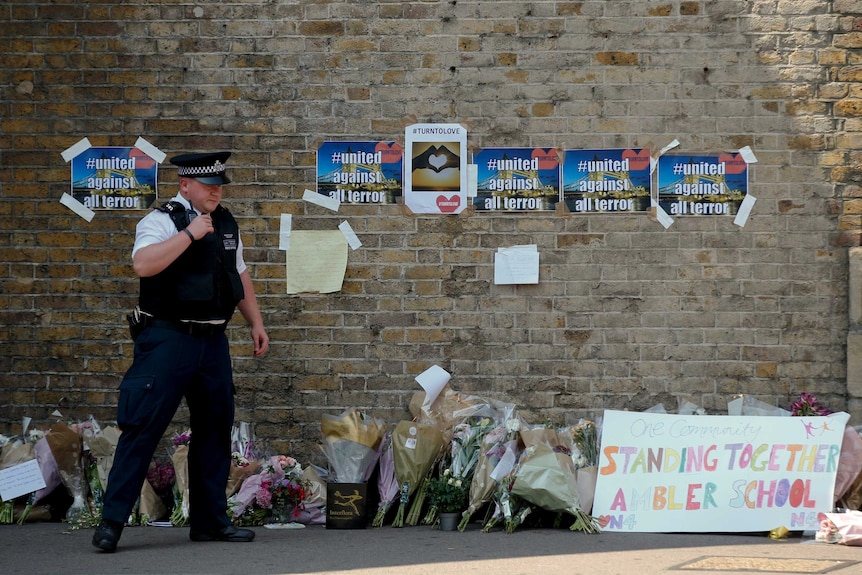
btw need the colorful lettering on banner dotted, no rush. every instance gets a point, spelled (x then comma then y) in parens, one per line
(662, 473)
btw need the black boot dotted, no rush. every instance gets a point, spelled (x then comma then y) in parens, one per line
(107, 535)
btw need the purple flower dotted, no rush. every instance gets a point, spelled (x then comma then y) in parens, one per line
(808, 404)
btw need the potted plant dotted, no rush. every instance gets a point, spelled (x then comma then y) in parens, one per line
(449, 495)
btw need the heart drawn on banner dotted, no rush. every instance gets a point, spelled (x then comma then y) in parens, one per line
(733, 163)
(389, 153)
(448, 205)
(548, 159)
(637, 160)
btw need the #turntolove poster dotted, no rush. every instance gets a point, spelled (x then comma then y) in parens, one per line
(435, 172)
(665, 473)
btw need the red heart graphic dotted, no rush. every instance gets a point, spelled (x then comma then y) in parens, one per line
(448, 205)
(548, 158)
(733, 163)
(390, 154)
(637, 160)
(603, 520)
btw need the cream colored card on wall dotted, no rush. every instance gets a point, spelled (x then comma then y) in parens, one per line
(316, 261)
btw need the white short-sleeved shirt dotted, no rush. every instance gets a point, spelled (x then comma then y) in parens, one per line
(157, 226)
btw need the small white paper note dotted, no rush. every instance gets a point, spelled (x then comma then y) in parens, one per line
(20, 479)
(432, 380)
(516, 265)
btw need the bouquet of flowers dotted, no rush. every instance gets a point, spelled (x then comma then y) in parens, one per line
(244, 460)
(463, 456)
(277, 493)
(180, 461)
(585, 456)
(492, 448)
(387, 483)
(157, 493)
(545, 477)
(447, 493)
(351, 442)
(67, 447)
(416, 447)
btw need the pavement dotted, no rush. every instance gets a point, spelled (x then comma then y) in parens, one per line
(52, 548)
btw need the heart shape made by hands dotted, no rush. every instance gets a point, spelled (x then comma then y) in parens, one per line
(389, 153)
(448, 205)
(548, 158)
(638, 160)
(436, 161)
(733, 163)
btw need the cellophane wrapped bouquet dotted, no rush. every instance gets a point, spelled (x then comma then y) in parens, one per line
(275, 495)
(180, 460)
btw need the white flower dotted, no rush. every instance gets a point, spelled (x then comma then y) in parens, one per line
(457, 483)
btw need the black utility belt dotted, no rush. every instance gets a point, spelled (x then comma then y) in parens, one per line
(189, 327)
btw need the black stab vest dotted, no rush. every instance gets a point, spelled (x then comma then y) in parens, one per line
(202, 283)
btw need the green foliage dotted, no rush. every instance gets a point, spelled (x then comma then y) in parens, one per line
(449, 494)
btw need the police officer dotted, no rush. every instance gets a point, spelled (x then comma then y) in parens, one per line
(188, 255)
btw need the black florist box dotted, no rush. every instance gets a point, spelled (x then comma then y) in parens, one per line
(346, 505)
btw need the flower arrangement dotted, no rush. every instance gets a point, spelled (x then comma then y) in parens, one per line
(586, 438)
(808, 404)
(180, 461)
(275, 494)
(162, 477)
(447, 493)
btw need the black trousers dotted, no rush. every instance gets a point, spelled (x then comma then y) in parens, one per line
(169, 365)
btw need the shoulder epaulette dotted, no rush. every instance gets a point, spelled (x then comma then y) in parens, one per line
(171, 207)
(177, 213)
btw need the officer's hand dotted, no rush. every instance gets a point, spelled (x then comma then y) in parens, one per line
(201, 226)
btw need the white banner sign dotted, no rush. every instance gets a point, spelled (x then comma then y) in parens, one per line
(664, 473)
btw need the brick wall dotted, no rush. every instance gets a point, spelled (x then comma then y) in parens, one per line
(626, 314)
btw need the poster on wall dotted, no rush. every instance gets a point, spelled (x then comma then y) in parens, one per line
(114, 178)
(517, 179)
(607, 181)
(691, 185)
(665, 473)
(435, 172)
(360, 172)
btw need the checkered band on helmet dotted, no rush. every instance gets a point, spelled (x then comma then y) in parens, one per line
(192, 171)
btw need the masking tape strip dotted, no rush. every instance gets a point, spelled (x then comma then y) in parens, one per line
(77, 207)
(662, 216)
(653, 161)
(472, 180)
(73, 151)
(150, 150)
(321, 200)
(744, 210)
(352, 239)
(284, 232)
(748, 155)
